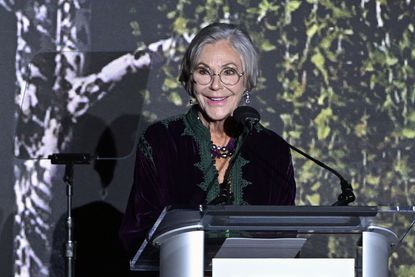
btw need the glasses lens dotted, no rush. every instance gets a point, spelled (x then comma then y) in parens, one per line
(202, 76)
(229, 76)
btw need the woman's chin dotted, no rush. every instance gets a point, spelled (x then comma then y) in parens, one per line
(217, 116)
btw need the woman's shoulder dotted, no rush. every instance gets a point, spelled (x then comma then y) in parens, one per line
(265, 142)
(159, 136)
(165, 126)
(164, 130)
(267, 135)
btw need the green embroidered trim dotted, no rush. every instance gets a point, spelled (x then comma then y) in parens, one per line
(238, 183)
(210, 179)
(145, 148)
(210, 184)
(201, 135)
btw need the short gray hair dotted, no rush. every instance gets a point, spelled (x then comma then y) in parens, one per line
(239, 40)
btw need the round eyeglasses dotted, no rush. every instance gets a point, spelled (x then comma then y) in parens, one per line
(228, 76)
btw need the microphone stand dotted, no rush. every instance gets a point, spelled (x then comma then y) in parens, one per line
(69, 160)
(347, 196)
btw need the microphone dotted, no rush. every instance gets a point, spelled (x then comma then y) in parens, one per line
(249, 117)
(246, 116)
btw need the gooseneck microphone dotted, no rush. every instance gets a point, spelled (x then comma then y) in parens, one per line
(249, 117)
(246, 116)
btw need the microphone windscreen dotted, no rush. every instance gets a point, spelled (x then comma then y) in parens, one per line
(243, 114)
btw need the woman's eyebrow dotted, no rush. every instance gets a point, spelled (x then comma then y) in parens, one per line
(230, 63)
(202, 64)
(222, 66)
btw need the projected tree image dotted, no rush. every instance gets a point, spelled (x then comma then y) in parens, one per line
(46, 101)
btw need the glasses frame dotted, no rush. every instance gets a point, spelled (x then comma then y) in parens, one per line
(219, 75)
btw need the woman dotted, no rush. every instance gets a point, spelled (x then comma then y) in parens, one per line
(188, 159)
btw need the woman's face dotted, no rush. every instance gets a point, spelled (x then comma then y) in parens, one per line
(216, 99)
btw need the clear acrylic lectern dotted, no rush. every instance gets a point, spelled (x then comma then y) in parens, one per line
(183, 241)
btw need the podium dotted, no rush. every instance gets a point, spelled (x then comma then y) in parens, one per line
(183, 241)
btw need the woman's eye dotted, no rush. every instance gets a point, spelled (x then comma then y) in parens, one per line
(229, 71)
(202, 71)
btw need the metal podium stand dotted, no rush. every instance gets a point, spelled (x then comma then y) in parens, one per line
(177, 243)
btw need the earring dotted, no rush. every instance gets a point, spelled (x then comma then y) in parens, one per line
(247, 97)
(190, 101)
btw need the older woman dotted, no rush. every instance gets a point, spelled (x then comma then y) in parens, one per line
(188, 159)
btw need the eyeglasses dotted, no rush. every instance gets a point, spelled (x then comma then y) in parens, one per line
(228, 76)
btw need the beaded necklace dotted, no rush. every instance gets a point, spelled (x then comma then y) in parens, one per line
(223, 151)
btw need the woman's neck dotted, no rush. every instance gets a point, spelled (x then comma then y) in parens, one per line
(216, 129)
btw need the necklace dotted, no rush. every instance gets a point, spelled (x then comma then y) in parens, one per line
(223, 151)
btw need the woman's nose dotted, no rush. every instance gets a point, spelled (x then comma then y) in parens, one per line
(216, 82)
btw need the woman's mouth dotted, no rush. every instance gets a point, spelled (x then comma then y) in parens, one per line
(216, 100)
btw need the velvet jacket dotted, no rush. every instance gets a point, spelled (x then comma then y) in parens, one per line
(174, 167)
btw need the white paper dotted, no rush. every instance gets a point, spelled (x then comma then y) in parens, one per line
(260, 248)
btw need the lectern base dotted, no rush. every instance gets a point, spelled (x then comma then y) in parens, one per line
(182, 255)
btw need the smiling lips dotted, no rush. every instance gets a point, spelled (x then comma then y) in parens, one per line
(216, 100)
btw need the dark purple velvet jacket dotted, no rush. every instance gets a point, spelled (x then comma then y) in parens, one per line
(174, 167)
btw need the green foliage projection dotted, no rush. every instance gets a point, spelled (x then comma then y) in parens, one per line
(337, 80)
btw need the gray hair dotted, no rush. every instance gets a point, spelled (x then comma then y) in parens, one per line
(239, 40)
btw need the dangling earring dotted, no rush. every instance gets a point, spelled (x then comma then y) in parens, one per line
(247, 97)
(190, 101)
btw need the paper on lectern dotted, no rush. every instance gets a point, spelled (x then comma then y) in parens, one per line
(260, 247)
